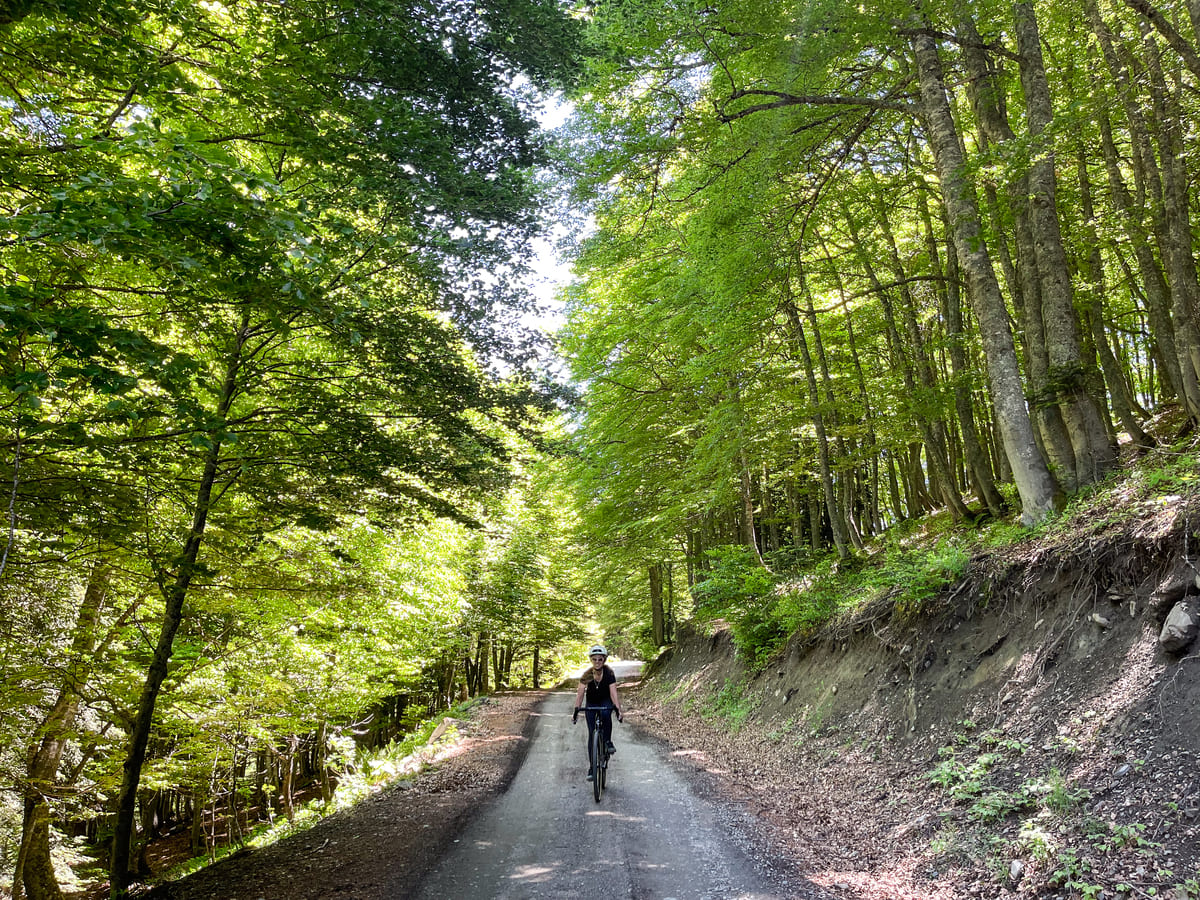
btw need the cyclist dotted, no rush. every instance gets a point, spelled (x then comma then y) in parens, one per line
(599, 683)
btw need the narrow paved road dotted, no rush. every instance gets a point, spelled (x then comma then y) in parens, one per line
(650, 837)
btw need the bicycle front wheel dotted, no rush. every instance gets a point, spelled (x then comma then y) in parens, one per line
(597, 768)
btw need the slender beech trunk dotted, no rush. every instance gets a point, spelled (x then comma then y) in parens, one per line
(988, 102)
(868, 418)
(913, 365)
(1163, 25)
(770, 525)
(748, 534)
(1095, 453)
(657, 614)
(34, 871)
(1039, 492)
(1178, 248)
(175, 592)
(669, 624)
(837, 523)
(845, 508)
(978, 465)
(1174, 351)
(1156, 293)
(815, 522)
(844, 486)
(1093, 269)
(894, 488)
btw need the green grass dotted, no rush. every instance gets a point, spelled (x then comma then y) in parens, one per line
(915, 562)
(730, 704)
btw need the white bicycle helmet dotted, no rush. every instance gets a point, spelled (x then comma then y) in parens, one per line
(598, 648)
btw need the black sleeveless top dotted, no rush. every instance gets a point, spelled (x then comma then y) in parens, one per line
(597, 691)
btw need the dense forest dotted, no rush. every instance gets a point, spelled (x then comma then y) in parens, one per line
(285, 469)
(271, 431)
(856, 264)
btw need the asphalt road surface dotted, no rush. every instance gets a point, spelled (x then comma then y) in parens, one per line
(650, 837)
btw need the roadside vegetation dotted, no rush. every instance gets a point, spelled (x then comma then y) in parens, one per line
(863, 293)
(911, 567)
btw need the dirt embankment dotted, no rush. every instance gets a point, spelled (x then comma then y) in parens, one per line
(1025, 737)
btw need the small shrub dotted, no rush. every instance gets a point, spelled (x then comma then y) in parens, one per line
(731, 704)
(924, 575)
(996, 805)
(740, 591)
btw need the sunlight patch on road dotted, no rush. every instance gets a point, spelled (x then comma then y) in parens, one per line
(615, 816)
(533, 873)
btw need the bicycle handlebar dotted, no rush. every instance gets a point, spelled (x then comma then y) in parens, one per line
(600, 709)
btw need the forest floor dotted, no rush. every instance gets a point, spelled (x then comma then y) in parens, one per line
(1028, 738)
(863, 824)
(382, 847)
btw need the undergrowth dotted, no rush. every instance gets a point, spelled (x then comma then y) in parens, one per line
(361, 773)
(1002, 812)
(731, 704)
(914, 562)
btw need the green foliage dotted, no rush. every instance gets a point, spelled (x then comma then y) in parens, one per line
(923, 574)
(731, 704)
(1074, 872)
(361, 774)
(739, 590)
(258, 304)
(962, 779)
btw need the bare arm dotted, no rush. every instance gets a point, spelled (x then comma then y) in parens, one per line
(579, 694)
(612, 692)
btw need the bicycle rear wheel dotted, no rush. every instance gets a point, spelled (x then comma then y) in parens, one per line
(597, 768)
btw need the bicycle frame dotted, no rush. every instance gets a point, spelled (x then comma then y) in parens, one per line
(598, 749)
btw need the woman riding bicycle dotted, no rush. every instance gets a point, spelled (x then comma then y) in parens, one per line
(599, 683)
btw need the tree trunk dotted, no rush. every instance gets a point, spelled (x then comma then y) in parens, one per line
(840, 540)
(1039, 492)
(1094, 453)
(657, 617)
(748, 533)
(926, 396)
(951, 300)
(1093, 271)
(988, 102)
(1178, 246)
(844, 510)
(287, 782)
(1178, 368)
(1157, 293)
(770, 525)
(669, 625)
(1155, 17)
(34, 869)
(175, 592)
(894, 488)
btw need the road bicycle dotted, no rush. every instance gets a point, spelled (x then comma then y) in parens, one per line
(598, 750)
